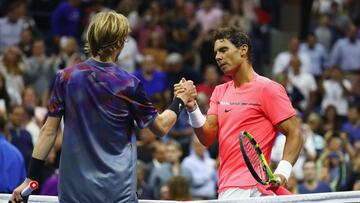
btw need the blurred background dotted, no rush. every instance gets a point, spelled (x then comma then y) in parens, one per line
(311, 47)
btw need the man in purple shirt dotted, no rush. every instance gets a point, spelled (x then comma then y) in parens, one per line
(100, 102)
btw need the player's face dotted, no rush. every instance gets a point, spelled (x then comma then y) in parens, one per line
(227, 56)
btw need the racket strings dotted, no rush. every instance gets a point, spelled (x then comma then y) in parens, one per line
(255, 160)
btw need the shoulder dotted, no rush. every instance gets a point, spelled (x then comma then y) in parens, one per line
(267, 83)
(224, 85)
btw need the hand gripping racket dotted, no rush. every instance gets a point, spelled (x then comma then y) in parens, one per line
(33, 185)
(256, 162)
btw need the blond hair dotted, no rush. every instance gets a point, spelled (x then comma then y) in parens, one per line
(104, 33)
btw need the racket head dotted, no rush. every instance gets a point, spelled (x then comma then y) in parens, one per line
(255, 159)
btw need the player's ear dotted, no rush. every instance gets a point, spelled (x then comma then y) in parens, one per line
(244, 50)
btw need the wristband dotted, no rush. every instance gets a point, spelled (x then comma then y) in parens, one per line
(177, 105)
(284, 168)
(35, 169)
(196, 118)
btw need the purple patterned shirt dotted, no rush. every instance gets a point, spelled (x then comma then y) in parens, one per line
(99, 102)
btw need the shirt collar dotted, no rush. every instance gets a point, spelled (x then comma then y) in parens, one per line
(94, 62)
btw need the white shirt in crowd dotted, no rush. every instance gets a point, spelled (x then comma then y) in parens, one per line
(282, 61)
(306, 83)
(203, 173)
(334, 95)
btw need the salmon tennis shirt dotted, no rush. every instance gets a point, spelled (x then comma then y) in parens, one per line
(257, 107)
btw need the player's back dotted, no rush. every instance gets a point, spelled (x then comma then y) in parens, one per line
(98, 160)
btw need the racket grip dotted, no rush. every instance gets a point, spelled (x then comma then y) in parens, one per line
(33, 185)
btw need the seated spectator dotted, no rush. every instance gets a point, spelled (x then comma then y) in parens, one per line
(155, 47)
(12, 66)
(129, 56)
(39, 63)
(311, 183)
(143, 189)
(12, 167)
(179, 189)
(160, 176)
(20, 137)
(352, 126)
(336, 91)
(203, 171)
(211, 79)
(152, 78)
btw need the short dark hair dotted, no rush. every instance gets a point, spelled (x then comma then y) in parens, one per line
(235, 36)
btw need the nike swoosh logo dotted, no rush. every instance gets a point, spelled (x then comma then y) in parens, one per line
(227, 110)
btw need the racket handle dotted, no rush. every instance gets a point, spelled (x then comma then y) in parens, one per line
(33, 185)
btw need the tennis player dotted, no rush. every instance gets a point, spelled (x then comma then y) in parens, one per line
(99, 102)
(248, 102)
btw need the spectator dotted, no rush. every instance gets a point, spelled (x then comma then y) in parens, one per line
(156, 48)
(129, 56)
(143, 189)
(26, 42)
(152, 78)
(323, 33)
(331, 120)
(336, 91)
(20, 137)
(203, 171)
(352, 126)
(305, 82)
(211, 79)
(39, 63)
(311, 183)
(12, 66)
(65, 20)
(69, 53)
(282, 60)
(160, 176)
(146, 145)
(179, 189)
(12, 167)
(4, 96)
(346, 52)
(209, 16)
(12, 24)
(237, 17)
(317, 55)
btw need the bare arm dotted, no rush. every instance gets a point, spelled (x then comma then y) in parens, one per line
(294, 141)
(163, 122)
(47, 138)
(42, 148)
(208, 132)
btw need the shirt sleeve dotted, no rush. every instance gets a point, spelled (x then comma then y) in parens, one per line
(214, 102)
(56, 102)
(276, 104)
(142, 109)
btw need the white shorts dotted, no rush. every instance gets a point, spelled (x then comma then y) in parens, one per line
(238, 193)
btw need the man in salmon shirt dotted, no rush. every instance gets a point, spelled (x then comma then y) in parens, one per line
(248, 102)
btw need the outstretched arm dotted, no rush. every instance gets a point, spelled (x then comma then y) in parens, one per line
(166, 120)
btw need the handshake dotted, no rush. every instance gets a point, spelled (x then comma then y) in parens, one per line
(186, 91)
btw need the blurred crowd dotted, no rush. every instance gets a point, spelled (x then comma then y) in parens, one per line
(173, 39)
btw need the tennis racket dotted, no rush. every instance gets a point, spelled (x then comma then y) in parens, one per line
(255, 160)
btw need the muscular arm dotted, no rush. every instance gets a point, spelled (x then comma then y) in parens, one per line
(47, 138)
(163, 122)
(294, 141)
(208, 132)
